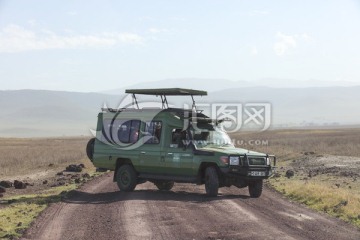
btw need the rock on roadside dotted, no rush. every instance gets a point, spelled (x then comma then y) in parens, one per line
(19, 184)
(289, 173)
(75, 168)
(6, 184)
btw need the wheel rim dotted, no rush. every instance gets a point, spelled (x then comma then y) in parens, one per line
(124, 178)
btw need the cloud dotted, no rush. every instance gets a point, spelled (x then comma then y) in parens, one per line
(284, 43)
(129, 38)
(157, 30)
(306, 37)
(14, 38)
(32, 22)
(287, 42)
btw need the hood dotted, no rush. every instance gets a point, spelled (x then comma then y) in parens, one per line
(231, 151)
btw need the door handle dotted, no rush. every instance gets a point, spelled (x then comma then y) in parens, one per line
(142, 152)
(170, 153)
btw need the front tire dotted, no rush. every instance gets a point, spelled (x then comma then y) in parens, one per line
(126, 178)
(255, 189)
(164, 185)
(211, 182)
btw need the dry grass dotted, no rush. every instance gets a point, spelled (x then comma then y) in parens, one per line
(322, 196)
(19, 156)
(287, 144)
(320, 192)
(18, 212)
(27, 156)
(16, 218)
(22, 156)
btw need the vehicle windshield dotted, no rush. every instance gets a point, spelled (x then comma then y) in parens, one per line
(211, 137)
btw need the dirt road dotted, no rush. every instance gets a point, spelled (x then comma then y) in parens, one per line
(99, 211)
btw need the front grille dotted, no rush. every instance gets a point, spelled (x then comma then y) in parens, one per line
(257, 161)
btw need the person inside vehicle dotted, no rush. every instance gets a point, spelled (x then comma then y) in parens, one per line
(178, 137)
(157, 134)
(134, 136)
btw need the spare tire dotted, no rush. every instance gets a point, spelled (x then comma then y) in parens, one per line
(90, 148)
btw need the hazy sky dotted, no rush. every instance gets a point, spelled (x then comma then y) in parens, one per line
(99, 45)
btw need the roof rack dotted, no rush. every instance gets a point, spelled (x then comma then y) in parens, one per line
(163, 92)
(168, 92)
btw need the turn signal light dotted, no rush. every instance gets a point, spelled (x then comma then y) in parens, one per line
(224, 159)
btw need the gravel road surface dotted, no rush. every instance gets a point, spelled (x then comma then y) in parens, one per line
(99, 210)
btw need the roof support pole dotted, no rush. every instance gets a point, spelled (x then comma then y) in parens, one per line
(164, 102)
(167, 105)
(134, 100)
(194, 105)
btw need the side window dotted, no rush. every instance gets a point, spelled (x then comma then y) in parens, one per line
(120, 130)
(124, 132)
(178, 138)
(128, 132)
(106, 129)
(153, 130)
(134, 131)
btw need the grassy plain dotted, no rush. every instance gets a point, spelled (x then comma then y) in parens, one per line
(331, 192)
(290, 144)
(322, 181)
(20, 156)
(35, 160)
(18, 212)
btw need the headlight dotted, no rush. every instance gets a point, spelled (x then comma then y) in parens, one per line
(234, 160)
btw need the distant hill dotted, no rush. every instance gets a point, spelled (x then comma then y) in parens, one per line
(220, 84)
(50, 113)
(302, 106)
(194, 83)
(35, 113)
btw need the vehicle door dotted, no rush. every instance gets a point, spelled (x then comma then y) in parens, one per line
(150, 160)
(178, 157)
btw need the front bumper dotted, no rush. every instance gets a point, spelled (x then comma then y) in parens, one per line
(247, 171)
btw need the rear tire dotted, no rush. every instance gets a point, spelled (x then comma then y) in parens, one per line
(126, 178)
(90, 148)
(164, 185)
(211, 182)
(255, 188)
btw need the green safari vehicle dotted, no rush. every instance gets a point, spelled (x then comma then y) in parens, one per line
(167, 145)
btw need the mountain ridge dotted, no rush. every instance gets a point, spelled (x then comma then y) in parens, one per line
(29, 113)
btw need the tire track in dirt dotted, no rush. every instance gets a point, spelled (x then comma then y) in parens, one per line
(100, 211)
